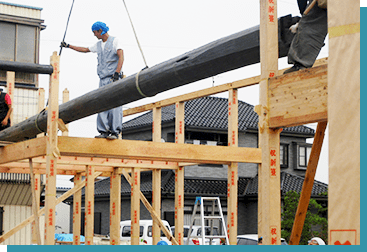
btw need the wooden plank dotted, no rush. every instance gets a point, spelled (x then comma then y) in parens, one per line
(10, 84)
(153, 213)
(197, 94)
(41, 104)
(37, 189)
(89, 205)
(115, 208)
(179, 174)
(23, 150)
(156, 174)
(51, 151)
(35, 206)
(42, 210)
(93, 147)
(269, 206)
(232, 173)
(135, 206)
(77, 213)
(226, 54)
(307, 184)
(298, 98)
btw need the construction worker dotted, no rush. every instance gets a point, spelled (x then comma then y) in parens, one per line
(5, 110)
(309, 37)
(110, 61)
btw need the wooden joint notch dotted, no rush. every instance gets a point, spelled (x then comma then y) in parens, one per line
(62, 125)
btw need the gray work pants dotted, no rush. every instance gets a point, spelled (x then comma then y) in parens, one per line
(310, 37)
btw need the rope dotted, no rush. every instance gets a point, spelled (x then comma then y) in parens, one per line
(137, 84)
(136, 37)
(67, 24)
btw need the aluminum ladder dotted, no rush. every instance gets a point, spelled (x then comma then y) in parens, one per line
(215, 202)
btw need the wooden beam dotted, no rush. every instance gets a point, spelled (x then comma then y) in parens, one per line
(153, 213)
(115, 208)
(41, 105)
(52, 152)
(37, 189)
(42, 210)
(307, 184)
(23, 150)
(156, 174)
(25, 67)
(298, 98)
(269, 205)
(206, 92)
(35, 206)
(232, 174)
(89, 205)
(237, 50)
(77, 209)
(135, 206)
(179, 174)
(142, 150)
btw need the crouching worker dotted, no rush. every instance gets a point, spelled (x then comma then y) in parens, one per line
(5, 110)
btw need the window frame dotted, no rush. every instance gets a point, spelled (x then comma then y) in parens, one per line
(284, 156)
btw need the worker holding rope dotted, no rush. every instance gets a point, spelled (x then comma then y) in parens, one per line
(109, 69)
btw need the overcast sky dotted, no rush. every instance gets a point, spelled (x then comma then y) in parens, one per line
(165, 29)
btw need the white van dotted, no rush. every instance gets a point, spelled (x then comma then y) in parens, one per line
(146, 227)
(196, 235)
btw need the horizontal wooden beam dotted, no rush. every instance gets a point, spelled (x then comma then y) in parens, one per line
(298, 98)
(194, 95)
(23, 150)
(93, 147)
(24, 67)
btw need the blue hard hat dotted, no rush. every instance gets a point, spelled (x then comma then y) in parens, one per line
(100, 25)
(162, 243)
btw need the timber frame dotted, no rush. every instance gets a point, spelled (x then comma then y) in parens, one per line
(285, 100)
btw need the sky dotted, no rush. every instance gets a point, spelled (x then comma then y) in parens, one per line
(165, 29)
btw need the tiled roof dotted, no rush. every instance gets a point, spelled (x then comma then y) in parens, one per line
(209, 112)
(208, 187)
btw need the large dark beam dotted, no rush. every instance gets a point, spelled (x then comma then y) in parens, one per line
(229, 53)
(15, 66)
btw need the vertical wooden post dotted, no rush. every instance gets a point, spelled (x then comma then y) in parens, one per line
(65, 98)
(135, 206)
(37, 177)
(156, 174)
(179, 174)
(269, 206)
(35, 207)
(89, 205)
(77, 215)
(10, 83)
(115, 207)
(52, 151)
(344, 207)
(232, 168)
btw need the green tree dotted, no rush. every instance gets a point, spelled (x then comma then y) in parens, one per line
(315, 225)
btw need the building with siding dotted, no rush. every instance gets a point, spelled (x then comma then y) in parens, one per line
(20, 28)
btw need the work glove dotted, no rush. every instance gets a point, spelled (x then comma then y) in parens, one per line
(115, 77)
(64, 44)
(294, 28)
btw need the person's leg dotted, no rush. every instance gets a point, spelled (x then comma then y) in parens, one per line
(308, 40)
(115, 122)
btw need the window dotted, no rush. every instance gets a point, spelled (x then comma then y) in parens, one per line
(150, 231)
(126, 231)
(304, 155)
(283, 155)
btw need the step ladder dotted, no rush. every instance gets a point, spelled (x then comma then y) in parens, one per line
(215, 204)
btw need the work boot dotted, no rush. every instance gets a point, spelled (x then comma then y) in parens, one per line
(294, 68)
(113, 136)
(102, 135)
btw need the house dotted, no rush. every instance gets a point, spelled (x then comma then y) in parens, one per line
(206, 123)
(20, 28)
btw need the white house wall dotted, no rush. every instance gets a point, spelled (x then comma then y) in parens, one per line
(14, 215)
